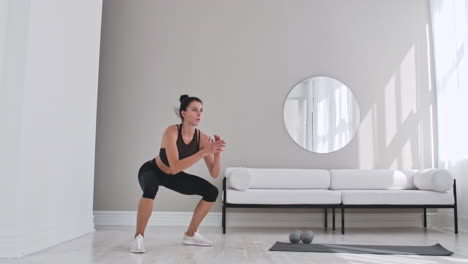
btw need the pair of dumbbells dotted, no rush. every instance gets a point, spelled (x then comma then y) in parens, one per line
(297, 235)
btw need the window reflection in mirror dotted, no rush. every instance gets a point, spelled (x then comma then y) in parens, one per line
(321, 114)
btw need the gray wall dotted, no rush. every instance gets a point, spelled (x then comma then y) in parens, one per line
(242, 58)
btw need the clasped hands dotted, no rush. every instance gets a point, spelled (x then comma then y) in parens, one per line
(215, 145)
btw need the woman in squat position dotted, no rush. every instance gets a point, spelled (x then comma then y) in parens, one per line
(182, 146)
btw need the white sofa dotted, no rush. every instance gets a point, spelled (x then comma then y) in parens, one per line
(340, 188)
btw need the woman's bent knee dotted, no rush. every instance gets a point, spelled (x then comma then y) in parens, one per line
(211, 194)
(149, 183)
(148, 196)
(150, 192)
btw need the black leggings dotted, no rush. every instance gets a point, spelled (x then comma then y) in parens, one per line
(151, 177)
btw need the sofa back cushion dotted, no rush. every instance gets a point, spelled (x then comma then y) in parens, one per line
(354, 179)
(439, 180)
(281, 178)
(238, 178)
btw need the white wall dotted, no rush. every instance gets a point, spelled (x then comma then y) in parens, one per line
(242, 58)
(13, 31)
(50, 57)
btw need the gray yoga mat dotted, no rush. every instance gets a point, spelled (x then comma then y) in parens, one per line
(434, 250)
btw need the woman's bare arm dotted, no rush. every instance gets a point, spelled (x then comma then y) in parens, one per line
(170, 144)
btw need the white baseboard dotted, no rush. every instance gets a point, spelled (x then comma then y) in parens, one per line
(246, 219)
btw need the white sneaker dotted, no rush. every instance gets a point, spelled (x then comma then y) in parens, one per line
(137, 245)
(197, 240)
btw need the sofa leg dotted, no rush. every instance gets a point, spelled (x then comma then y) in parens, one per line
(455, 211)
(326, 217)
(224, 219)
(342, 221)
(333, 218)
(425, 217)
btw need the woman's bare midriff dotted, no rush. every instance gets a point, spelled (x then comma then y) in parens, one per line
(162, 166)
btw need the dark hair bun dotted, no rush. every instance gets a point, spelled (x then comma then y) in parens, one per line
(183, 98)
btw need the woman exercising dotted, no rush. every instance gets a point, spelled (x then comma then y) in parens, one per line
(182, 146)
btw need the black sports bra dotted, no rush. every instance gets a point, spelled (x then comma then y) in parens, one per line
(185, 150)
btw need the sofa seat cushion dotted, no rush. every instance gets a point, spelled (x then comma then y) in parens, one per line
(283, 196)
(396, 197)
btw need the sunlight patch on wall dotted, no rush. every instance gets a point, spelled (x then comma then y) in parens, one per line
(429, 57)
(390, 111)
(406, 156)
(394, 164)
(408, 85)
(366, 141)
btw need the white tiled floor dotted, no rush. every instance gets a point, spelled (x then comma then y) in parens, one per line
(109, 244)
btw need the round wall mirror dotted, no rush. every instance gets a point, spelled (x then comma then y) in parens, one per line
(321, 114)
